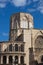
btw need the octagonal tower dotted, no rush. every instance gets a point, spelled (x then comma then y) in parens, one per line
(20, 21)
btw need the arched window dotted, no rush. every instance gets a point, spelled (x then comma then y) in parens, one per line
(22, 48)
(16, 47)
(22, 59)
(10, 59)
(24, 23)
(4, 60)
(10, 47)
(39, 42)
(16, 59)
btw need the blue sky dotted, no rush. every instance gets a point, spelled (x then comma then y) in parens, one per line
(9, 7)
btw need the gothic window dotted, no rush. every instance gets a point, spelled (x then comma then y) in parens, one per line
(24, 22)
(10, 59)
(10, 47)
(16, 47)
(39, 42)
(22, 47)
(4, 59)
(22, 59)
(16, 59)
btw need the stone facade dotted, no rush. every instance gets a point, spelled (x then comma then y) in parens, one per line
(25, 45)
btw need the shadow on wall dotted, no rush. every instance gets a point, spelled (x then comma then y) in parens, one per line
(36, 63)
(40, 64)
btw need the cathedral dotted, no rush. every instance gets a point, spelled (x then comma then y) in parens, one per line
(25, 44)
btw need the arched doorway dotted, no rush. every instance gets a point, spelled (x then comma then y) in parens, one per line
(10, 59)
(4, 59)
(16, 59)
(22, 59)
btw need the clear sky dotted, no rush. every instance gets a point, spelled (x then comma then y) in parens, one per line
(9, 7)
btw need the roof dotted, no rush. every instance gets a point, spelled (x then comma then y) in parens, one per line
(22, 13)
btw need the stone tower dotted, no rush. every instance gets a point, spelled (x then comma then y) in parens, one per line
(20, 30)
(19, 22)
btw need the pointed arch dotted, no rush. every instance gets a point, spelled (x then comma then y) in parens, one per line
(39, 41)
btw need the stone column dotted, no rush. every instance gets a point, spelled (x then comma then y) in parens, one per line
(19, 48)
(1, 59)
(7, 60)
(19, 60)
(13, 59)
(13, 47)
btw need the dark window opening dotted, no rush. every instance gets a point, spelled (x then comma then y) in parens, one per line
(22, 59)
(10, 59)
(10, 47)
(22, 48)
(16, 59)
(4, 59)
(16, 47)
